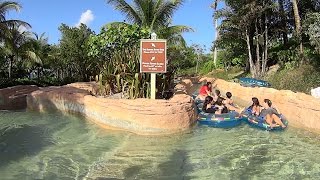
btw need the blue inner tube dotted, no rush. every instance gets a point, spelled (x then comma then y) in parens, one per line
(226, 120)
(251, 82)
(259, 122)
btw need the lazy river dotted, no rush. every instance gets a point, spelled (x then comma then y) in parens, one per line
(58, 146)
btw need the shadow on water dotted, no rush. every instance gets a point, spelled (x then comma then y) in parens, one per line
(253, 165)
(176, 167)
(19, 141)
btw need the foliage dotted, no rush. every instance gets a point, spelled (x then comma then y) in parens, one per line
(155, 15)
(74, 52)
(300, 79)
(117, 48)
(312, 29)
(5, 24)
(181, 57)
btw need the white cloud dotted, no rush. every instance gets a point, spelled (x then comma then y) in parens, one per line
(86, 18)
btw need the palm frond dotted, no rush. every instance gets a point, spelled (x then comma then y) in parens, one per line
(126, 9)
(32, 56)
(165, 12)
(174, 30)
(14, 22)
(8, 6)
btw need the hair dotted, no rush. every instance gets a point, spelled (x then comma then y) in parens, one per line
(255, 102)
(219, 101)
(268, 102)
(229, 95)
(208, 84)
(207, 101)
(217, 92)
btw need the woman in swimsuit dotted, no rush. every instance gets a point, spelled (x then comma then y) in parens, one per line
(256, 107)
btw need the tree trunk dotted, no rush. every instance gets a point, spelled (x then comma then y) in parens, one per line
(252, 67)
(298, 25)
(10, 66)
(258, 61)
(215, 54)
(283, 22)
(38, 73)
(265, 59)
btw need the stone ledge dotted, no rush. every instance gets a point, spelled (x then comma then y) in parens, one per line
(14, 98)
(142, 116)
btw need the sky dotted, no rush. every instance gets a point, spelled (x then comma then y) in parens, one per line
(46, 16)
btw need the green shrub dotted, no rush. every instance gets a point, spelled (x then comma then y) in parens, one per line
(300, 79)
(207, 67)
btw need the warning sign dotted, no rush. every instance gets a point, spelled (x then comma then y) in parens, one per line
(153, 55)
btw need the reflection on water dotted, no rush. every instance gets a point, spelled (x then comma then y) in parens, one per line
(56, 146)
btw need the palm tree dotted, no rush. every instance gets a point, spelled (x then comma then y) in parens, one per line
(5, 7)
(215, 54)
(13, 41)
(155, 15)
(297, 23)
(36, 50)
(17, 45)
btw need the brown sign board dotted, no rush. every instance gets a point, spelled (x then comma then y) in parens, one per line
(153, 55)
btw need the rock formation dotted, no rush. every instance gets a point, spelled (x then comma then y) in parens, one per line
(142, 116)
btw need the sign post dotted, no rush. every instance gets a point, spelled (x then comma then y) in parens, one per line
(153, 55)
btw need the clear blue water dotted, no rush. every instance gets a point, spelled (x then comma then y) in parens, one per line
(58, 146)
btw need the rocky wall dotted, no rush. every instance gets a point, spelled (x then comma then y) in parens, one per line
(14, 98)
(142, 116)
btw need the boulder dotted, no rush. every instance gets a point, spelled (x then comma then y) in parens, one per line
(14, 98)
(141, 116)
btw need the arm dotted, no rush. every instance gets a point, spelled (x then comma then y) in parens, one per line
(208, 92)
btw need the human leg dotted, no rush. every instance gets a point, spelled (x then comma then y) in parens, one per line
(269, 120)
(277, 120)
(232, 108)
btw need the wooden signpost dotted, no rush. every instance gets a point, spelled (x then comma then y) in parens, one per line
(153, 59)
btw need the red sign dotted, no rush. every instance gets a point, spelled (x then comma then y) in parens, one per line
(153, 56)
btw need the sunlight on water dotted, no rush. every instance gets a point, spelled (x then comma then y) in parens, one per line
(57, 146)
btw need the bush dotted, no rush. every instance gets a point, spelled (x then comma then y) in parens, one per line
(207, 67)
(300, 79)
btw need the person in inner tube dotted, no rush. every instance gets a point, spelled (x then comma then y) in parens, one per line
(255, 107)
(228, 100)
(208, 106)
(205, 91)
(216, 95)
(271, 114)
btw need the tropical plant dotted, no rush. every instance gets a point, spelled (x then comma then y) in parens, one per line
(5, 24)
(116, 48)
(297, 21)
(312, 29)
(36, 52)
(74, 52)
(14, 43)
(155, 15)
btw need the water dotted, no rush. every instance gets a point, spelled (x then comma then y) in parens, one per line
(58, 146)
